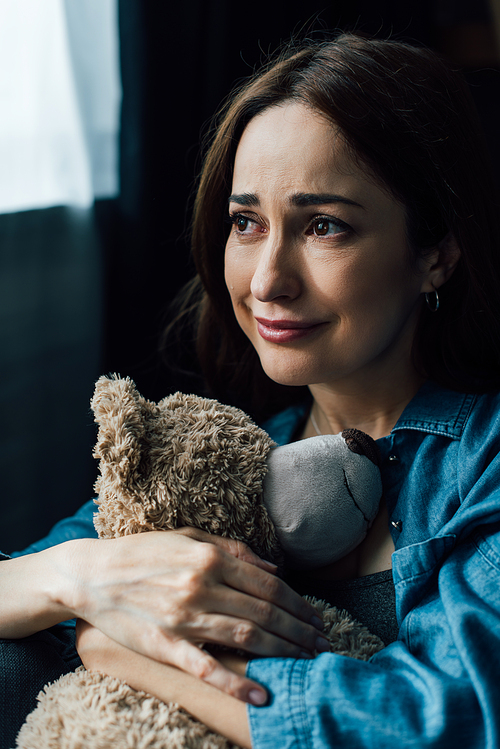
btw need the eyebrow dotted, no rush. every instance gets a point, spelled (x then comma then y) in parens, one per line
(299, 199)
(248, 199)
(302, 199)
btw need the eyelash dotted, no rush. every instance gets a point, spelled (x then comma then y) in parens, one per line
(233, 219)
(341, 225)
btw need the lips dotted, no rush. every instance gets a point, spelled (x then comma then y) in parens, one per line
(284, 331)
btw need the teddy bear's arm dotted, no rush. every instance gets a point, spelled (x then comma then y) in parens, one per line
(219, 711)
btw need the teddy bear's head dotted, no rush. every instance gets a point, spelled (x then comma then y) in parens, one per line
(192, 461)
(184, 461)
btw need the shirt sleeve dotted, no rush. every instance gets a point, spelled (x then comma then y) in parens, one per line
(437, 686)
(79, 525)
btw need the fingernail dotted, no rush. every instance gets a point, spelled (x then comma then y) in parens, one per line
(271, 564)
(322, 644)
(316, 622)
(257, 697)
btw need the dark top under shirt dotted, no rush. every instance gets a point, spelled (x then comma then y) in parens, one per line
(370, 599)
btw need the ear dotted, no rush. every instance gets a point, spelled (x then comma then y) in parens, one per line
(119, 412)
(442, 263)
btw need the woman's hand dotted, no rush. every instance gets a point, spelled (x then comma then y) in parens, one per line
(220, 712)
(163, 594)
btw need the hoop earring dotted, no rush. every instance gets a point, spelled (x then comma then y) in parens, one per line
(432, 306)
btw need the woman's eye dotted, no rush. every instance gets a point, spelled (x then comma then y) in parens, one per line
(243, 224)
(325, 227)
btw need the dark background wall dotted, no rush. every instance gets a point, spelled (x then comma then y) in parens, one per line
(178, 61)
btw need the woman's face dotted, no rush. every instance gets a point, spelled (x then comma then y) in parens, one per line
(317, 262)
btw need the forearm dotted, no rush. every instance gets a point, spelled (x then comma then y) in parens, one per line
(34, 591)
(217, 710)
(161, 594)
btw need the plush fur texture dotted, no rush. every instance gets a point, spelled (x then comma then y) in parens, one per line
(88, 709)
(185, 461)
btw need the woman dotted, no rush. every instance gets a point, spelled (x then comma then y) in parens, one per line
(359, 264)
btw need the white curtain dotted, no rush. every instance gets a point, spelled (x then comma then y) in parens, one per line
(59, 118)
(59, 102)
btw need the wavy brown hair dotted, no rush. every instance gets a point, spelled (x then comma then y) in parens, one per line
(410, 119)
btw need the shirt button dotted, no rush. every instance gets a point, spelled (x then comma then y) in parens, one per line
(393, 459)
(397, 524)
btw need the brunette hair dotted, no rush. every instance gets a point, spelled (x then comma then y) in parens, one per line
(406, 115)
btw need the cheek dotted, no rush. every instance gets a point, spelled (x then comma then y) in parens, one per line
(237, 274)
(229, 273)
(237, 284)
(370, 293)
(386, 306)
(351, 287)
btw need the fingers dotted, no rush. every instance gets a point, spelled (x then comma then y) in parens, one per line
(251, 637)
(236, 548)
(255, 580)
(262, 614)
(203, 665)
(99, 652)
(263, 586)
(163, 594)
(241, 551)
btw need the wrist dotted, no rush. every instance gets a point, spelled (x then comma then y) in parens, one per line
(68, 567)
(32, 594)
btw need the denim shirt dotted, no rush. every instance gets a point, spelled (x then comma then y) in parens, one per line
(438, 685)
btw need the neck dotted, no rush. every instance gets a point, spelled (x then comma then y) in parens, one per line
(374, 410)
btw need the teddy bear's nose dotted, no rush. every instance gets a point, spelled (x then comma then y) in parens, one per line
(362, 444)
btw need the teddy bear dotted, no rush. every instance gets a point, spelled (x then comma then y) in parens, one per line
(193, 461)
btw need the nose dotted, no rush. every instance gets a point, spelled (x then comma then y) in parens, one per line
(277, 273)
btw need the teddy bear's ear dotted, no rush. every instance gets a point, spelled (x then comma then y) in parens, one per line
(119, 411)
(117, 408)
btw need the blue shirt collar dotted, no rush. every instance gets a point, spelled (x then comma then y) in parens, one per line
(436, 410)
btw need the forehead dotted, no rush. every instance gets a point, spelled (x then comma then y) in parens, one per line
(290, 136)
(292, 148)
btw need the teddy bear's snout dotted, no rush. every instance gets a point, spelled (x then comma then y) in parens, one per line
(362, 444)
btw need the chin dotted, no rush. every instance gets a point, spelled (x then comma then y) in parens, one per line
(290, 375)
(290, 381)
(295, 365)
